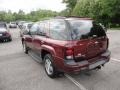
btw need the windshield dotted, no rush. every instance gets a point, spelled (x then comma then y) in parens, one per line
(82, 29)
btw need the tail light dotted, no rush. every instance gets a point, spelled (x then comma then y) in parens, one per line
(69, 53)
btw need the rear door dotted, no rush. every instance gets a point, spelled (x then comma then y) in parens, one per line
(40, 38)
(80, 30)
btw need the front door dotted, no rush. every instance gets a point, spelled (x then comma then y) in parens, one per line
(33, 33)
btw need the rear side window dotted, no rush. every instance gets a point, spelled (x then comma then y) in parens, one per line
(42, 29)
(83, 29)
(29, 26)
(58, 30)
(34, 29)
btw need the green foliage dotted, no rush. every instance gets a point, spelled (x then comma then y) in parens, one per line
(65, 13)
(40, 14)
(106, 11)
(32, 16)
(70, 5)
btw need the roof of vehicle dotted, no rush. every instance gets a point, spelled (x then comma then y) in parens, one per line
(67, 18)
(73, 17)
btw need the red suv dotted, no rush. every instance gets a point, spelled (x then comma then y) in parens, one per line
(68, 44)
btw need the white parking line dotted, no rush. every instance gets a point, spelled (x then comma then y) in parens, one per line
(117, 60)
(80, 86)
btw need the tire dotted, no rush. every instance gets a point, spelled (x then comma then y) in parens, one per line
(49, 67)
(10, 39)
(25, 49)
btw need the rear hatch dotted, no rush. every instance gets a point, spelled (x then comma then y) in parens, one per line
(96, 46)
(89, 38)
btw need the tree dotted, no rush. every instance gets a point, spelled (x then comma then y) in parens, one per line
(70, 4)
(64, 13)
(106, 11)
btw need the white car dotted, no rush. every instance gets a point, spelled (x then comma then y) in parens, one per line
(12, 25)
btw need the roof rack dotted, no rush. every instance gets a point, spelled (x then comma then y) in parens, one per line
(78, 17)
(59, 17)
(64, 17)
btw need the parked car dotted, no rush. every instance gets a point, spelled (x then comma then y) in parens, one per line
(12, 25)
(20, 24)
(4, 32)
(68, 44)
(25, 28)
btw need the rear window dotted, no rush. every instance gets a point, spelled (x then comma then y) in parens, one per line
(2, 25)
(13, 23)
(82, 29)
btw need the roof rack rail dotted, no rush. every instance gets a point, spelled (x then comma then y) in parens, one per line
(77, 17)
(64, 17)
(59, 17)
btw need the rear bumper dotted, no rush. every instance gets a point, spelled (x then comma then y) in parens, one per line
(70, 66)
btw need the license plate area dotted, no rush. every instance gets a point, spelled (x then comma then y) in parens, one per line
(94, 65)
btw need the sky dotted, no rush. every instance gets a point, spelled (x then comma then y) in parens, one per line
(30, 5)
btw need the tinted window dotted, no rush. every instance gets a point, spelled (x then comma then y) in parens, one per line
(3, 25)
(13, 23)
(58, 30)
(82, 29)
(42, 29)
(34, 29)
(29, 26)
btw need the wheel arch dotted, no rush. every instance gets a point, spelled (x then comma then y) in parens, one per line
(47, 50)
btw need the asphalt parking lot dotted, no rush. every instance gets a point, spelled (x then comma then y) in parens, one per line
(19, 71)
